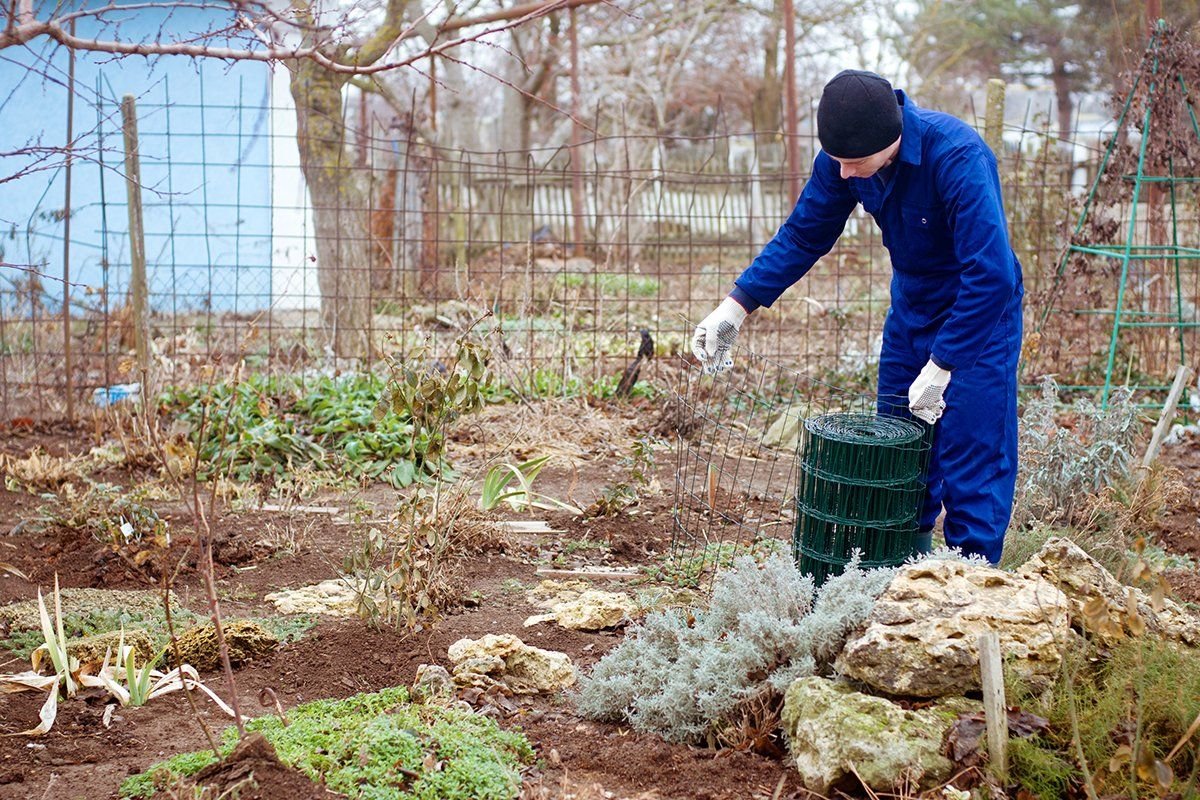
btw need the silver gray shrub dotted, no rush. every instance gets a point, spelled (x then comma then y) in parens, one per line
(682, 673)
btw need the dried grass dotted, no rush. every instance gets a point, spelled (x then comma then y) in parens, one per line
(41, 472)
(568, 429)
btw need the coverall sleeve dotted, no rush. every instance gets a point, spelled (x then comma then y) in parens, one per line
(808, 233)
(970, 187)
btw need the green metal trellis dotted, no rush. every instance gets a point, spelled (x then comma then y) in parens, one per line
(1131, 251)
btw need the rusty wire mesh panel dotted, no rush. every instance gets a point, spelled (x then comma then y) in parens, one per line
(573, 250)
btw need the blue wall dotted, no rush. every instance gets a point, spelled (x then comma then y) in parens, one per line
(207, 184)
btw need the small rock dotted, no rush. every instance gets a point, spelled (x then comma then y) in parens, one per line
(506, 659)
(836, 734)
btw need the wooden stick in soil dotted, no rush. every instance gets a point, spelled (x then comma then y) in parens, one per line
(1168, 413)
(995, 711)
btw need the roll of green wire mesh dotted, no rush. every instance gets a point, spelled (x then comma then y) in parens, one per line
(860, 487)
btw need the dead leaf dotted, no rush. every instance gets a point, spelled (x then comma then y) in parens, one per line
(1163, 775)
(1132, 618)
(6, 567)
(1146, 764)
(1120, 758)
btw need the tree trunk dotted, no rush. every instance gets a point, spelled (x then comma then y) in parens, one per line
(767, 106)
(338, 196)
(1066, 106)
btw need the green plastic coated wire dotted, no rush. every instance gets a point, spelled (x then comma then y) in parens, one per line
(861, 484)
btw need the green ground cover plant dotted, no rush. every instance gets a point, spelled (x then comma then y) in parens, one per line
(376, 746)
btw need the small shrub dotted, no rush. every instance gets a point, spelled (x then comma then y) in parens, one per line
(1063, 469)
(688, 674)
(111, 514)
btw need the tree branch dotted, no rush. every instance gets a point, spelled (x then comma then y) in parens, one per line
(360, 63)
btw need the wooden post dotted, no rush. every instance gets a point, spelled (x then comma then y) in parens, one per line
(1168, 413)
(791, 123)
(993, 121)
(137, 239)
(995, 711)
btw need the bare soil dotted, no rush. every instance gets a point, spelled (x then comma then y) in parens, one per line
(1179, 529)
(577, 758)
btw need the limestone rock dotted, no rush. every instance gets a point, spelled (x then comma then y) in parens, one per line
(1082, 579)
(784, 432)
(506, 659)
(432, 681)
(91, 649)
(920, 637)
(592, 610)
(835, 733)
(245, 639)
(335, 597)
(550, 593)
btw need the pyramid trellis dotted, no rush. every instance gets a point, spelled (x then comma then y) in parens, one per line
(1163, 83)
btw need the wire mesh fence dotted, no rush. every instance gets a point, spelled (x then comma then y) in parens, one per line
(255, 254)
(768, 454)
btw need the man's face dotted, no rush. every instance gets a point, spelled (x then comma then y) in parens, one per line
(867, 166)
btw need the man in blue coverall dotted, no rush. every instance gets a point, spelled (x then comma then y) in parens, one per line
(952, 336)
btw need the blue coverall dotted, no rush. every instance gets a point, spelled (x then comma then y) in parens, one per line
(956, 299)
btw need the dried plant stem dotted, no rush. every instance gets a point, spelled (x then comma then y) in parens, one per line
(168, 580)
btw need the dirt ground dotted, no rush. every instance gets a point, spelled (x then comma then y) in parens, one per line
(577, 758)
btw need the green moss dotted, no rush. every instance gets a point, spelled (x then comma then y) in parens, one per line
(289, 628)
(1039, 767)
(147, 783)
(381, 745)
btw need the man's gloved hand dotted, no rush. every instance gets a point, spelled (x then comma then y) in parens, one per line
(925, 395)
(714, 337)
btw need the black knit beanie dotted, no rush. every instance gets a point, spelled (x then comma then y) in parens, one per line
(858, 115)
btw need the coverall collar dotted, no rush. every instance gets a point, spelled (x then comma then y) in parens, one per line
(910, 136)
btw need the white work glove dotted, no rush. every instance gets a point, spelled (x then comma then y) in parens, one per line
(925, 395)
(714, 337)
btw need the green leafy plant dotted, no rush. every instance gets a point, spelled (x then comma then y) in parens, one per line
(432, 395)
(247, 435)
(344, 416)
(497, 488)
(618, 496)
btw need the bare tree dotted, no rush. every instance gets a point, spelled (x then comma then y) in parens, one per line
(324, 45)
